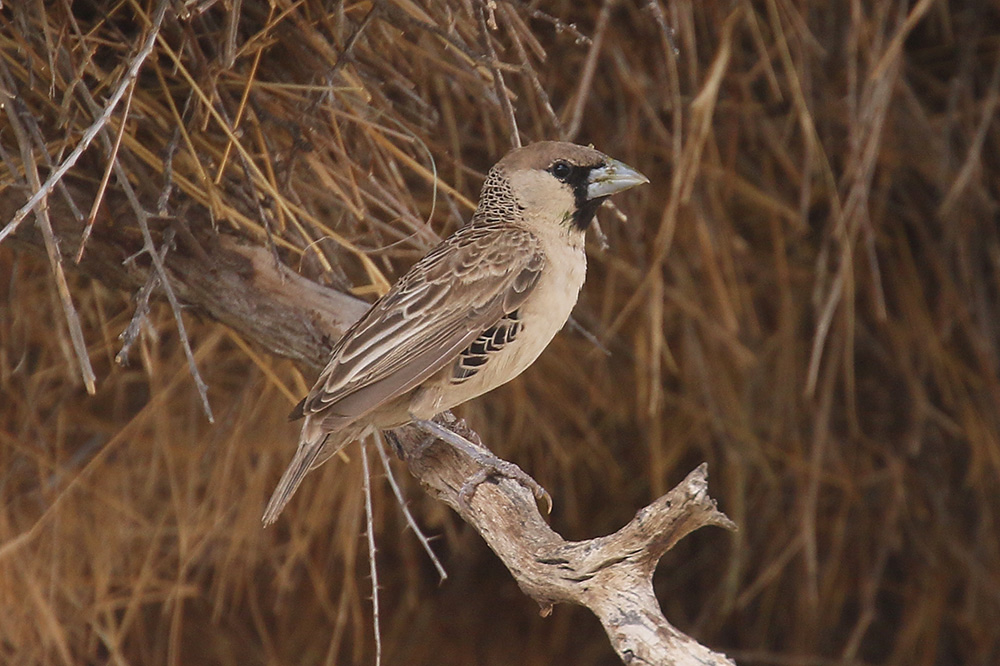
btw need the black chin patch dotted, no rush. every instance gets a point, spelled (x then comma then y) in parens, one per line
(586, 208)
(585, 211)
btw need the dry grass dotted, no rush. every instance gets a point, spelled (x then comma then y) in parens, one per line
(808, 298)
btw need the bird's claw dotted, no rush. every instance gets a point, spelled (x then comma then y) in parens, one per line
(490, 465)
(496, 467)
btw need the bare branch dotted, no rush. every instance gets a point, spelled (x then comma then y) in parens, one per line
(131, 332)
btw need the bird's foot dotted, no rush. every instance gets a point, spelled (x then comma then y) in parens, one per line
(490, 464)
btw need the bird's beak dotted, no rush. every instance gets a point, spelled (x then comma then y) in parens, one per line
(611, 178)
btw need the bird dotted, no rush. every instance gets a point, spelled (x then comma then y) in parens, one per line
(471, 315)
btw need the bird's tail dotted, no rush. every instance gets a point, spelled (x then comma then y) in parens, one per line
(313, 450)
(290, 481)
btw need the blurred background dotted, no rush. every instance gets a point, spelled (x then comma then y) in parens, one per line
(807, 297)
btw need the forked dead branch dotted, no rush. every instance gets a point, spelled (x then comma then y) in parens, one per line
(610, 575)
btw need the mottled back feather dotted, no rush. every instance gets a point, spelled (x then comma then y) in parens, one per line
(445, 302)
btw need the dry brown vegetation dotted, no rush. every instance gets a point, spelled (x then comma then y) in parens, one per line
(808, 297)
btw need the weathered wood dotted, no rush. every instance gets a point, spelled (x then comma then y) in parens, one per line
(611, 575)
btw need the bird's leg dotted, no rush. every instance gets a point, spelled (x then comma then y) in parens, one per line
(461, 428)
(401, 452)
(392, 437)
(491, 465)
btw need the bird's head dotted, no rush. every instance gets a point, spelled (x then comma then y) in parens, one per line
(553, 180)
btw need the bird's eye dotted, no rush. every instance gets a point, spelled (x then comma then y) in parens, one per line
(561, 170)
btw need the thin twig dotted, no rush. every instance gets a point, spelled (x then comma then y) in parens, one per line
(589, 68)
(498, 83)
(231, 28)
(265, 218)
(397, 16)
(32, 125)
(666, 32)
(345, 55)
(557, 23)
(241, 109)
(973, 155)
(575, 324)
(150, 247)
(370, 531)
(522, 54)
(421, 537)
(168, 172)
(107, 173)
(131, 332)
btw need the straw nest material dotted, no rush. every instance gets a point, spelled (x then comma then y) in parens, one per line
(808, 298)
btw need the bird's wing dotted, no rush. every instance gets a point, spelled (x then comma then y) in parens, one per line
(446, 300)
